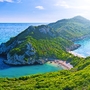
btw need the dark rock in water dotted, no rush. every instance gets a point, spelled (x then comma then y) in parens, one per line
(73, 47)
(2, 64)
(6, 49)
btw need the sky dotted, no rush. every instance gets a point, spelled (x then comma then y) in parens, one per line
(42, 10)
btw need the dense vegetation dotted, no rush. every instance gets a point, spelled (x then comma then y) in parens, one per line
(48, 48)
(77, 78)
(72, 28)
(51, 42)
(44, 41)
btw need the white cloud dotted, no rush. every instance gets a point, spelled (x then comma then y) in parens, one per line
(1, 0)
(18, 1)
(10, 1)
(39, 7)
(6, 0)
(76, 4)
(62, 4)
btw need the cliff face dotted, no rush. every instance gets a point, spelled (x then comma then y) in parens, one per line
(16, 59)
(27, 58)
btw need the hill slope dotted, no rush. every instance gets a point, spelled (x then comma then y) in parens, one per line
(38, 44)
(72, 28)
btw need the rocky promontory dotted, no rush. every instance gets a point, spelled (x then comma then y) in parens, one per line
(37, 44)
(73, 47)
(20, 51)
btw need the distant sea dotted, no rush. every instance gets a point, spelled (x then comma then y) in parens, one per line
(84, 50)
(8, 30)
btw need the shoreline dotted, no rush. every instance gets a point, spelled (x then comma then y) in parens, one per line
(63, 64)
(76, 54)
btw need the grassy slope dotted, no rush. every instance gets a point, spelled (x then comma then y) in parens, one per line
(72, 28)
(62, 80)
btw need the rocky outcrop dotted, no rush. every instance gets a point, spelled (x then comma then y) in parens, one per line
(76, 46)
(46, 30)
(30, 50)
(2, 48)
(6, 49)
(15, 59)
(73, 47)
(20, 59)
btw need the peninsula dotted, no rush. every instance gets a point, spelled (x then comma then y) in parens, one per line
(39, 44)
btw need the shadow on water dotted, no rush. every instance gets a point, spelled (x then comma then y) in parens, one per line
(2, 64)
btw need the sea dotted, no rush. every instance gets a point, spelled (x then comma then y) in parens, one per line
(84, 49)
(9, 30)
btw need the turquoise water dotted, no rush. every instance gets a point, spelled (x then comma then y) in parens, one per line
(8, 30)
(27, 70)
(84, 50)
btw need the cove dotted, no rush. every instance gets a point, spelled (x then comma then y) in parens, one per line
(15, 72)
(8, 30)
(84, 50)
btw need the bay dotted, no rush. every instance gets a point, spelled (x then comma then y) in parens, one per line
(11, 72)
(8, 30)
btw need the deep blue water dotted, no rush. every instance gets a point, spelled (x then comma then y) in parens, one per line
(8, 30)
(84, 50)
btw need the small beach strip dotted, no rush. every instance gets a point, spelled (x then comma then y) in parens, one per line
(61, 63)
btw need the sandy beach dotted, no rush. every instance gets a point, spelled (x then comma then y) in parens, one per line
(76, 54)
(62, 64)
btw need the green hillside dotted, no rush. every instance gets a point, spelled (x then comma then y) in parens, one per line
(77, 78)
(38, 44)
(72, 28)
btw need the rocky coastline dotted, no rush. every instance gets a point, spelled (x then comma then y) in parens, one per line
(28, 57)
(73, 47)
(76, 46)
(19, 60)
